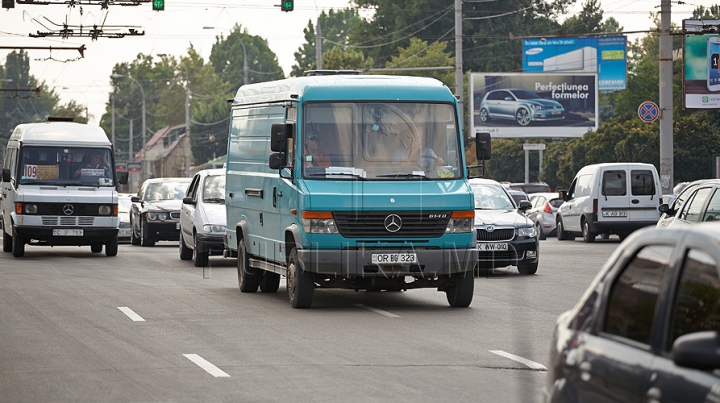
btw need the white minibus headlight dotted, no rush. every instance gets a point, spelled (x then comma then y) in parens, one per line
(104, 210)
(30, 208)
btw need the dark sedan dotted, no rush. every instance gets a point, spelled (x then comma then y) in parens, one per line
(646, 330)
(155, 214)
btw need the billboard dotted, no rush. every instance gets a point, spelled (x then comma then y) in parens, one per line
(526, 105)
(701, 70)
(606, 55)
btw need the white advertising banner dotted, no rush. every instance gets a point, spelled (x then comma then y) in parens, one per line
(534, 105)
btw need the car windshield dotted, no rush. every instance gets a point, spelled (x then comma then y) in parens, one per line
(380, 141)
(491, 197)
(166, 191)
(214, 189)
(65, 166)
(522, 94)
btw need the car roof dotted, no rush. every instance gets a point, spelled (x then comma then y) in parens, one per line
(178, 179)
(211, 172)
(483, 181)
(547, 195)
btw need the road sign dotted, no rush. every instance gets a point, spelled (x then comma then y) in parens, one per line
(533, 146)
(648, 111)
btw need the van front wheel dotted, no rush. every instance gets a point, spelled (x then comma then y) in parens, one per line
(111, 247)
(300, 286)
(248, 281)
(561, 234)
(460, 294)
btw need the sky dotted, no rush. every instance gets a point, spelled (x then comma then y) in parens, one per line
(185, 22)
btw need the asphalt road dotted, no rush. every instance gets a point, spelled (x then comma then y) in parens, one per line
(146, 326)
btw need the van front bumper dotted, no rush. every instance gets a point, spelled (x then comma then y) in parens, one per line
(351, 263)
(45, 235)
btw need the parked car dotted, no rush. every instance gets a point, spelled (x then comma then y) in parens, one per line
(542, 212)
(505, 237)
(124, 207)
(531, 187)
(648, 327)
(155, 213)
(202, 217)
(699, 202)
(520, 105)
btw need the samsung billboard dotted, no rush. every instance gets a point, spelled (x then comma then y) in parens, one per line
(606, 55)
(525, 105)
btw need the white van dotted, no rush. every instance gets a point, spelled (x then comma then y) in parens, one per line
(611, 198)
(59, 187)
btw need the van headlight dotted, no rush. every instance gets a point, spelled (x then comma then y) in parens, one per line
(460, 221)
(104, 210)
(319, 222)
(526, 232)
(30, 208)
(215, 229)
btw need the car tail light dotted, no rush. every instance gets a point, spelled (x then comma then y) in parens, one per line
(547, 208)
(595, 206)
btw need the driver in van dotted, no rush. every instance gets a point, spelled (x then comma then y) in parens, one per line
(98, 160)
(412, 152)
(313, 156)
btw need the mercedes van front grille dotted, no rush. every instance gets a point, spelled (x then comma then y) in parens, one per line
(68, 221)
(380, 224)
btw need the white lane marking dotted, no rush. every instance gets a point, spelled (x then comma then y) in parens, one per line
(207, 366)
(131, 314)
(530, 364)
(380, 311)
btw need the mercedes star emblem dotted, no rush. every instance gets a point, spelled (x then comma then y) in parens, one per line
(68, 209)
(393, 222)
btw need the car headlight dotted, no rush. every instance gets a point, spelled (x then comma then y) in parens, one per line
(156, 216)
(212, 228)
(526, 232)
(537, 107)
(30, 208)
(104, 210)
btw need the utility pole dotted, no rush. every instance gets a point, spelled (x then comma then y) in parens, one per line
(318, 46)
(666, 95)
(112, 120)
(458, 57)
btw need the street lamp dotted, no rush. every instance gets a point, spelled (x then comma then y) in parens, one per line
(245, 65)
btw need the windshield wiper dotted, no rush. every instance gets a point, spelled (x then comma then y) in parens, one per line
(423, 177)
(339, 174)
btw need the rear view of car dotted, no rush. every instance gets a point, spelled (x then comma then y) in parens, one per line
(542, 213)
(124, 206)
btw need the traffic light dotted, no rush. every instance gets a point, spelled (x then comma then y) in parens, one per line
(8, 3)
(287, 5)
(158, 5)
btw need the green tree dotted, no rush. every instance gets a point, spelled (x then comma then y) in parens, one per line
(420, 54)
(338, 59)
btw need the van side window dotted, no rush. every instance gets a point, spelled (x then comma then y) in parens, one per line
(642, 183)
(614, 183)
(584, 186)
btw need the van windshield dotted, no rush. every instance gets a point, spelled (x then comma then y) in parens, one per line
(380, 141)
(66, 166)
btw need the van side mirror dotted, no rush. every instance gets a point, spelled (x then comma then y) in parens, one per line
(279, 133)
(6, 175)
(482, 145)
(277, 160)
(122, 178)
(699, 350)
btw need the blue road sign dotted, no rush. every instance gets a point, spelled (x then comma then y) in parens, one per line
(648, 111)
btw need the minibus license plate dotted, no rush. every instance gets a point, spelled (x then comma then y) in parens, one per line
(393, 258)
(491, 247)
(614, 213)
(67, 232)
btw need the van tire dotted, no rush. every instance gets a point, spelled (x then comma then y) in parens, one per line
(588, 236)
(144, 241)
(185, 252)
(541, 235)
(561, 234)
(300, 286)
(528, 268)
(248, 280)
(96, 248)
(270, 282)
(133, 239)
(460, 293)
(199, 258)
(18, 245)
(111, 247)
(7, 242)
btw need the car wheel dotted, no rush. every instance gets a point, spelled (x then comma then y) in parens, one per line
(18, 245)
(248, 278)
(528, 268)
(133, 239)
(144, 241)
(484, 115)
(300, 286)
(199, 258)
(588, 236)
(522, 116)
(185, 252)
(270, 282)
(460, 293)
(539, 230)
(561, 234)
(96, 248)
(7, 242)
(111, 248)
